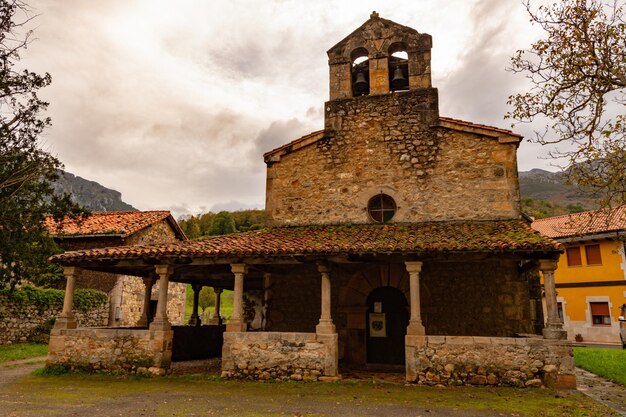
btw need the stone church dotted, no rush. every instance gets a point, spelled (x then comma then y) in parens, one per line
(396, 242)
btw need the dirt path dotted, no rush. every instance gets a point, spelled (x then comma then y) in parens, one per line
(13, 370)
(606, 392)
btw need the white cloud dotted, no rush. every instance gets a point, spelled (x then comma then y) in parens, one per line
(174, 103)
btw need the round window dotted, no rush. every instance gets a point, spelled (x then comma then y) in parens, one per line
(381, 208)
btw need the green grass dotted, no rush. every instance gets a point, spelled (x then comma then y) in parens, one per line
(22, 351)
(608, 363)
(226, 306)
(202, 395)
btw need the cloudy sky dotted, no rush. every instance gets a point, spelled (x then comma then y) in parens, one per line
(173, 103)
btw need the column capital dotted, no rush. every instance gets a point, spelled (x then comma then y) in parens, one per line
(413, 266)
(217, 290)
(548, 265)
(164, 269)
(196, 286)
(322, 268)
(70, 270)
(239, 268)
(149, 281)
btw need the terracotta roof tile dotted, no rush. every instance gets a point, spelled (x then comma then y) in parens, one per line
(122, 223)
(586, 223)
(479, 126)
(436, 237)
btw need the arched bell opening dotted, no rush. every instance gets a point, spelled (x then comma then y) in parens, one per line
(360, 72)
(398, 67)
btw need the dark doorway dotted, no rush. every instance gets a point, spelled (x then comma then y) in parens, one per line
(386, 322)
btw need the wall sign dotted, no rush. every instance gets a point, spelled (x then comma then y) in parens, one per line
(378, 326)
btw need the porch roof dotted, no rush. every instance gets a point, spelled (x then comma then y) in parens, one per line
(505, 236)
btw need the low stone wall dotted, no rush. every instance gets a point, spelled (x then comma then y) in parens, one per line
(126, 351)
(19, 322)
(275, 355)
(462, 360)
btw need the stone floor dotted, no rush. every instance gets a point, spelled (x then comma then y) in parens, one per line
(606, 392)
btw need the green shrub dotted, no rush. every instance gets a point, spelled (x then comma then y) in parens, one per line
(45, 298)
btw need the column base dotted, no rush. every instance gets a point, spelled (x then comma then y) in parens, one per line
(195, 321)
(143, 322)
(236, 326)
(415, 328)
(549, 333)
(66, 321)
(160, 325)
(214, 321)
(325, 327)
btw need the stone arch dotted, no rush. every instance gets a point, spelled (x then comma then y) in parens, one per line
(353, 303)
(360, 70)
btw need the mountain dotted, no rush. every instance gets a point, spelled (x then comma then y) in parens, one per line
(549, 186)
(90, 194)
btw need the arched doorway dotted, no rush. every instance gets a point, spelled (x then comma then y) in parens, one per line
(386, 320)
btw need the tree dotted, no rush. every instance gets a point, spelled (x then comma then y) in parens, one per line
(223, 224)
(206, 298)
(26, 170)
(578, 78)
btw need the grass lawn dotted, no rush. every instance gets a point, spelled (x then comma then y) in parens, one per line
(226, 305)
(608, 363)
(49, 395)
(22, 351)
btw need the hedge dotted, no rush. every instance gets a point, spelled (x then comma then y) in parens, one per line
(85, 299)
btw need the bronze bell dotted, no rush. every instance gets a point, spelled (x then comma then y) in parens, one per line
(360, 85)
(398, 82)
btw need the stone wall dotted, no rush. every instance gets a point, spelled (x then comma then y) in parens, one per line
(388, 144)
(131, 301)
(462, 360)
(274, 355)
(111, 350)
(19, 322)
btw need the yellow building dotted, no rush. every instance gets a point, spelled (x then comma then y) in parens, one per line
(591, 274)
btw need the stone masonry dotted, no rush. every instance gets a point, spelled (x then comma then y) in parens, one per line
(19, 321)
(463, 360)
(126, 351)
(273, 355)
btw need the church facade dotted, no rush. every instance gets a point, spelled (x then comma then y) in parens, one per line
(396, 240)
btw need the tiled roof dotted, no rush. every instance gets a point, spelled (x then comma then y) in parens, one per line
(436, 237)
(121, 223)
(478, 126)
(586, 223)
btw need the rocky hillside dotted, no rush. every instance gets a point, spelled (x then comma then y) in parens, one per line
(90, 194)
(552, 187)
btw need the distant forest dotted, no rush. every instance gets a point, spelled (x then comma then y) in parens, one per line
(222, 223)
(225, 222)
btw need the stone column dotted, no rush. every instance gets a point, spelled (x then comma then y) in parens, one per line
(160, 321)
(144, 320)
(236, 323)
(325, 325)
(67, 319)
(194, 320)
(216, 320)
(415, 326)
(554, 327)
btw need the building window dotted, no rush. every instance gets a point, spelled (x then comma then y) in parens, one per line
(600, 314)
(559, 309)
(573, 256)
(398, 67)
(592, 253)
(381, 208)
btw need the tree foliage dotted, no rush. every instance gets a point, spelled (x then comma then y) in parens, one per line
(26, 170)
(206, 298)
(202, 225)
(578, 76)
